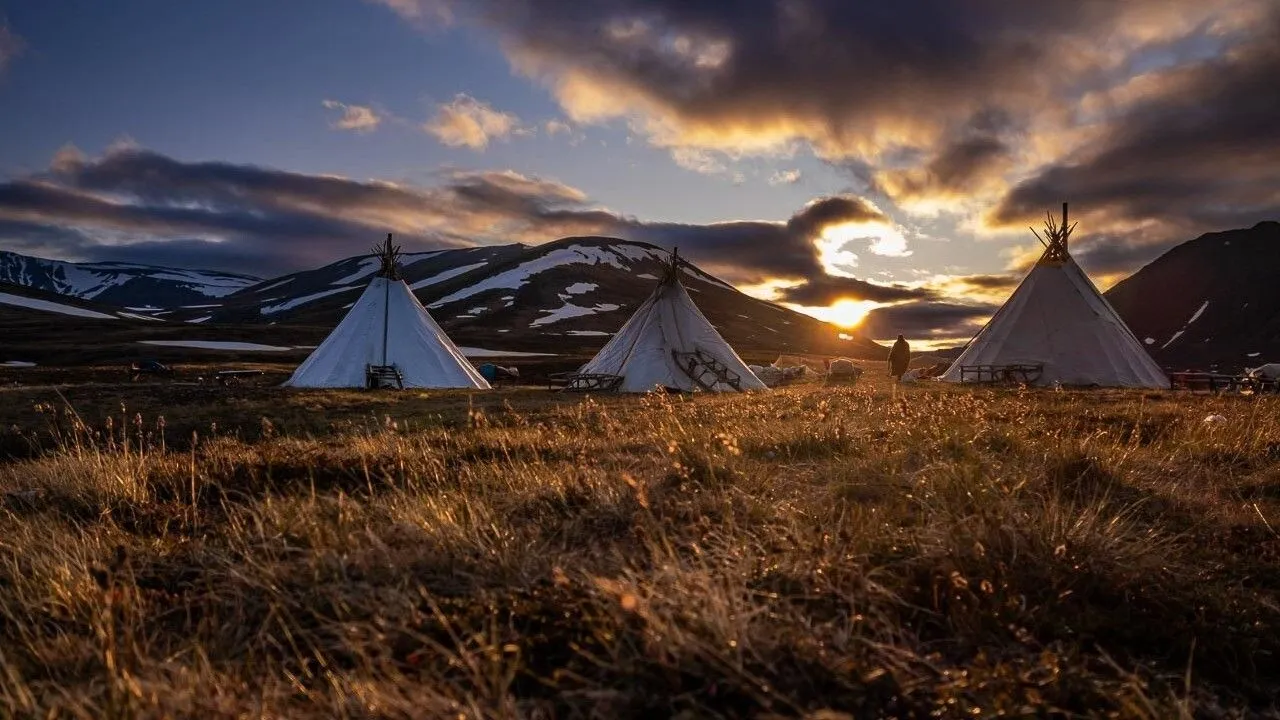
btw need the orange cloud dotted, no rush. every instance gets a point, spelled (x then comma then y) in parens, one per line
(357, 118)
(468, 122)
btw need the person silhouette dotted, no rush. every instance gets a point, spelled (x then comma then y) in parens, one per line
(899, 358)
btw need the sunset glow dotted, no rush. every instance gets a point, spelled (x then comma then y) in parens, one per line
(842, 313)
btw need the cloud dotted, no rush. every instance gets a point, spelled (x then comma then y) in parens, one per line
(827, 290)
(262, 220)
(936, 321)
(699, 161)
(357, 118)
(1195, 150)
(468, 122)
(785, 177)
(961, 169)
(420, 12)
(11, 45)
(989, 282)
(136, 204)
(851, 79)
(941, 114)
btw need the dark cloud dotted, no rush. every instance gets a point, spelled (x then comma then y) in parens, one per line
(1198, 150)
(856, 80)
(819, 214)
(841, 67)
(928, 320)
(990, 282)
(828, 289)
(146, 207)
(959, 169)
(750, 251)
(1105, 254)
(151, 208)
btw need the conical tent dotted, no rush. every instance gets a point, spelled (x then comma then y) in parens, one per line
(668, 343)
(387, 329)
(1057, 319)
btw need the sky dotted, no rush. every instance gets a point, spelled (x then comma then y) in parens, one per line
(874, 164)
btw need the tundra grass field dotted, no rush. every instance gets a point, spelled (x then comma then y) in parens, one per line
(818, 551)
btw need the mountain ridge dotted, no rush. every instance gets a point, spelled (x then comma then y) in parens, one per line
(1217, 300)
(121, 284)
(566, 296)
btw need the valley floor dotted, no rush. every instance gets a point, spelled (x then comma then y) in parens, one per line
(851, 551)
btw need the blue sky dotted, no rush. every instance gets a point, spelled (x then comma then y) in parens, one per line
(879, 158)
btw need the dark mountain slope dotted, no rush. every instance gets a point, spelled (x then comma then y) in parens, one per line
(1212, 300)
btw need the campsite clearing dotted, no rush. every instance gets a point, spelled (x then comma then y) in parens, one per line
(873, 549)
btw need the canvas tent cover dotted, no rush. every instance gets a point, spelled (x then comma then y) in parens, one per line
(1056, 317)
(641, 352)
(414, 343)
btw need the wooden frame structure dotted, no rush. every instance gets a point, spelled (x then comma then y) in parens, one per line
(698, 365)
(383, 376)
(1019, 373)
(1056, 251)
(1219, 382)
(584, 382)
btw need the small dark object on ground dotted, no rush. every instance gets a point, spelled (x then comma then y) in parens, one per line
(498, 375)
(148, 367)
(230, 377)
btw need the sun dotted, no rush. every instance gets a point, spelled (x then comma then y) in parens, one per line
(843, 313)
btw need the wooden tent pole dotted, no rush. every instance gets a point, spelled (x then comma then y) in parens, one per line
(1064, 228)
(386, 300)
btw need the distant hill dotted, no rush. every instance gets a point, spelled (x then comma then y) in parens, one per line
(565, 297)
(571, 294)
(1214, 300)
(40, 307)
(124, 285)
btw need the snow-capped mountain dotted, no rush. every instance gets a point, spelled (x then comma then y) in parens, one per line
(319, 295)
(121, 284)
(1210, 301)
(571, 293)
(565, 297)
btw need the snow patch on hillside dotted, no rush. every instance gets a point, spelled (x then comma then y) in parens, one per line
(1198, 313)
(518, 276)
(46, 306)
(447, 274)
(290, 304)
(569, 310)
(481, 352)
(707, 278)
(215, 345)
(366, 267)
(136, 316)
(275, 285)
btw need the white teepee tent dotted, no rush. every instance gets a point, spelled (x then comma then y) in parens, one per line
(1057, 319)
(387, 336)
(669, 343)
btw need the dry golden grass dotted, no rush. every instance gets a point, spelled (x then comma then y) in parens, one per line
(819, 552)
